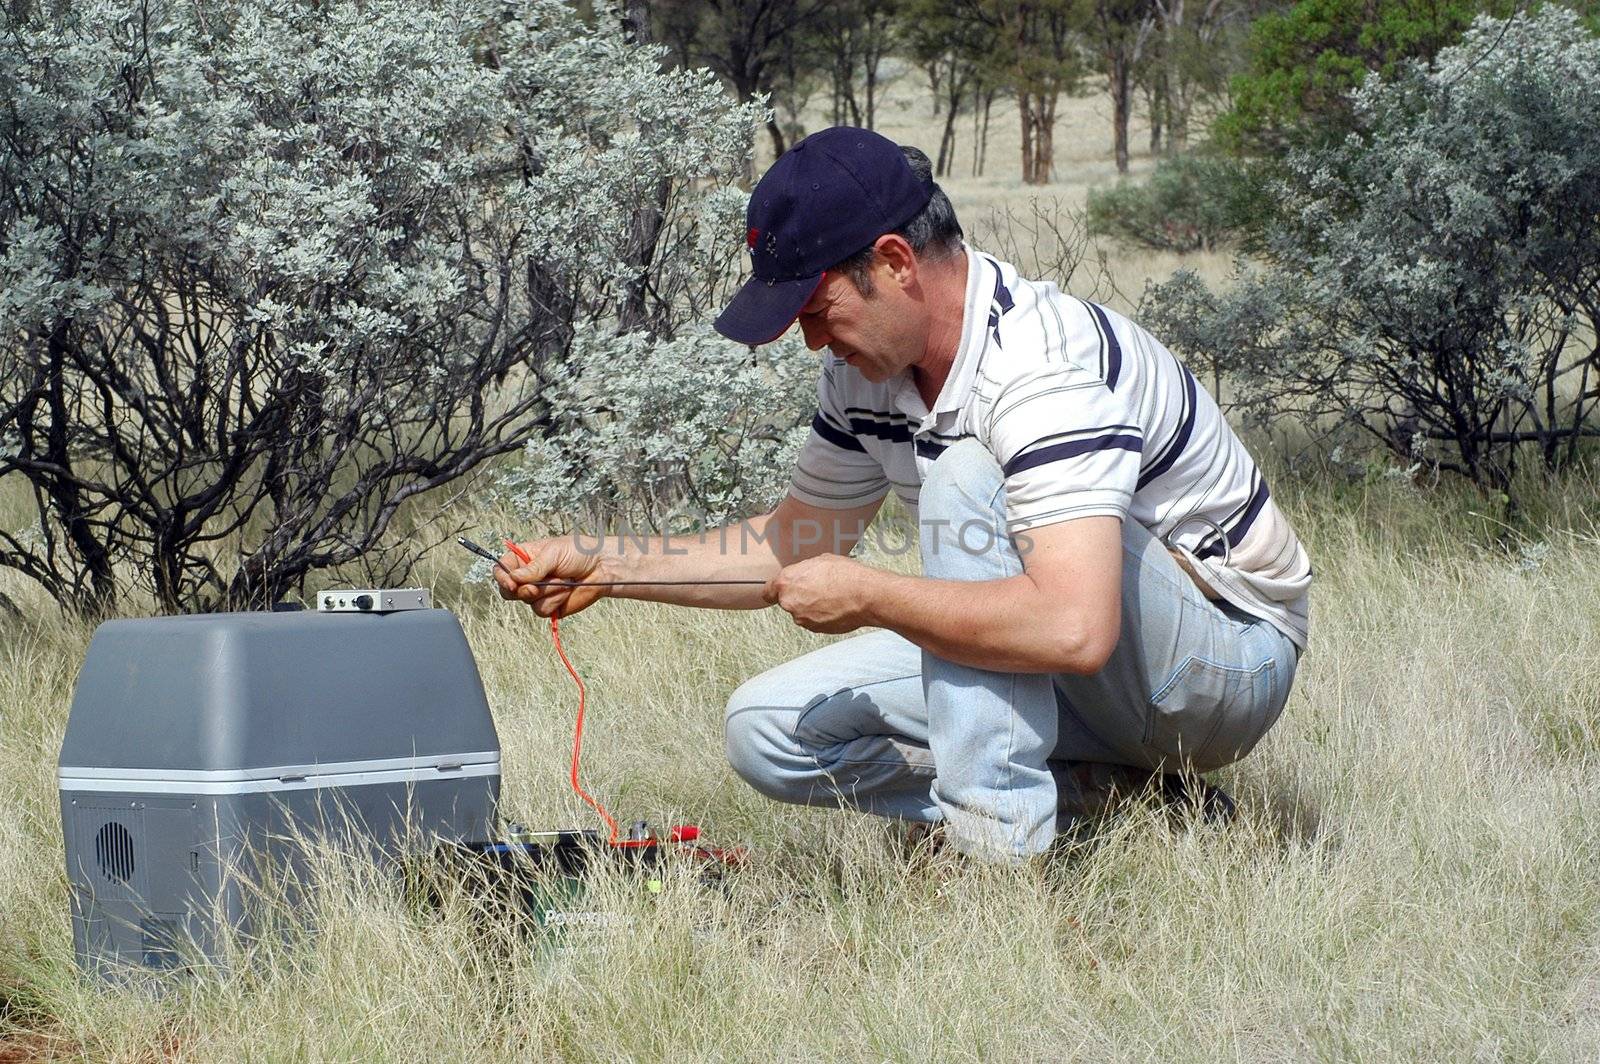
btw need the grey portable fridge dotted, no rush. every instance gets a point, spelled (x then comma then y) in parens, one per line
(201, 751)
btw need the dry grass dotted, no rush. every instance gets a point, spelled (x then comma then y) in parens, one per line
(1414, 876)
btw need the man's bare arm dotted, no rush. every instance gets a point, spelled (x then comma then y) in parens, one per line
(1062, 614)
(753, 549)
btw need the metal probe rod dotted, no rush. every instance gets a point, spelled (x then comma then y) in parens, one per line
(629, 583)
(484, 553)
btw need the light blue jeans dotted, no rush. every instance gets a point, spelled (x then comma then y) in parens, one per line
(877, 724)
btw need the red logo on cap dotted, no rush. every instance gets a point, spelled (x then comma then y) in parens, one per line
(750, 238)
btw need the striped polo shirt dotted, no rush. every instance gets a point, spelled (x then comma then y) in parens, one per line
(1086, 414)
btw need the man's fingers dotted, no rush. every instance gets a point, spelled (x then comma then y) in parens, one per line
(528, 558)
(559, 602)
(544, 603)
(526, 578)
(539, 568)
(770, 592)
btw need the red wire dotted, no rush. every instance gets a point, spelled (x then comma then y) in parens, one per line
(732, 857)
(577, 747)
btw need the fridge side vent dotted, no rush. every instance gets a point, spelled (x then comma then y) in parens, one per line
(113, 852)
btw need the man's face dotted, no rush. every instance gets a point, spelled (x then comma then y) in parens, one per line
(868, 332)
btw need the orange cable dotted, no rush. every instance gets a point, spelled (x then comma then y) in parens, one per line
(577, 746)
(734, 857)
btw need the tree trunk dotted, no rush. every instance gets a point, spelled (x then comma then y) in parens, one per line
(1177, 124)
(1177, 96)
(747, 83)
(645, 227)
(101, 596)
(1044, 139)
(636, 22)
(977, 140)
(983, 142)
(846, 109)
(872, 93)
(1025, 117)
(1038, 136)
(1119, 111)
(955, 86)
(947, 144)
(1158, 112)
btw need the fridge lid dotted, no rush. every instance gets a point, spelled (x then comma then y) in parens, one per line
(281, 777)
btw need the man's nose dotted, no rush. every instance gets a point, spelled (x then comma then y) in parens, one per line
(816, 336)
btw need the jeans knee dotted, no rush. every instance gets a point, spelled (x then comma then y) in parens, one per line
(753, 738)
(962, 483)
(962, 512)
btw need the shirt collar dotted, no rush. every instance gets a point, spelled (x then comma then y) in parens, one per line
(974, 338)
(957, 388)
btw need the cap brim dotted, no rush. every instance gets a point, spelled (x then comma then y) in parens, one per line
(763, 311)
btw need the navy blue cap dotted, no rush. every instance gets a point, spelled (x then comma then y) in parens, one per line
(829, 196)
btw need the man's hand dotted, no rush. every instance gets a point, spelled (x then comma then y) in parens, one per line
(824, 594)
(549, 559)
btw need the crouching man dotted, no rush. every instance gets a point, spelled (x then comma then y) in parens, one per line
(1108, 588)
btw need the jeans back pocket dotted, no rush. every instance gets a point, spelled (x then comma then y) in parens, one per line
(1208, 715)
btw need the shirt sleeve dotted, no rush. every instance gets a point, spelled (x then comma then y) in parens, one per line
(1067, 445)
(834, 470)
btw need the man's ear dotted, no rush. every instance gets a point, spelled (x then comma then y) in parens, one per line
(896, 258)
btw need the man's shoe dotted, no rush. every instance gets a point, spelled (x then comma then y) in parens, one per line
(1089, 790)
(1190, 793)
(921, 842)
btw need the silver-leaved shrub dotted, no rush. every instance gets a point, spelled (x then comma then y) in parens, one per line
(1437, 282)
(667, 436)
(270, 270)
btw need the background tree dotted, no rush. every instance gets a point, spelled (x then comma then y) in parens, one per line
(1036, 50)
(1191, 58)
(1437, 283)
(1150, 79)
(1304, 60)
(800, 70)
(1188, 203)
(751, 44)
(958, 51)
(648, 219)
(1122, 32)
(267, 273)
(853, 40)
